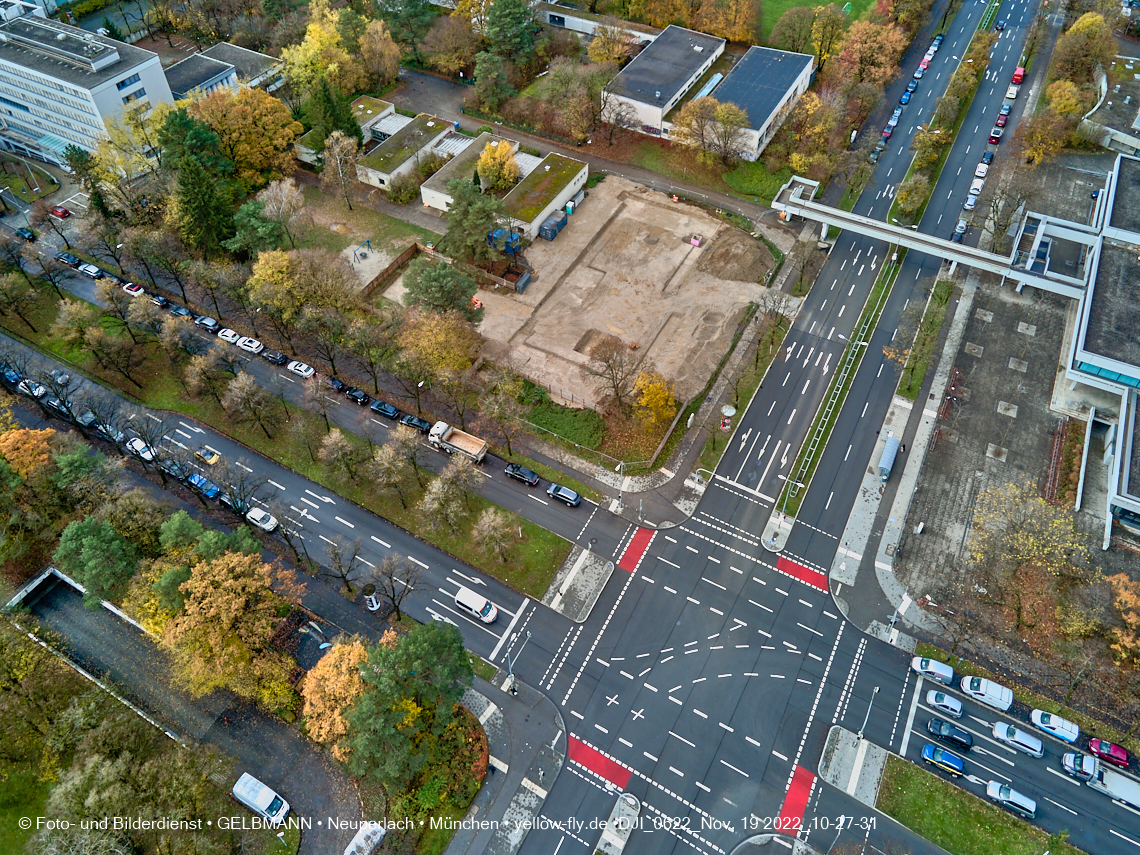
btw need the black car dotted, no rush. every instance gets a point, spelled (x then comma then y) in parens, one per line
(955, 238)
(951, 734)
(422, 425)
(234, 504)
(339, 386)
(273, 357)
(1000, 25)
(912, 86)
(178, 311)
(26, 234)
(57, 407)
(160, 301)
(521, 473)
(358, 395)
(10, 377)
(383, 408)
(68, 259)
(987, 157)
(175, 469)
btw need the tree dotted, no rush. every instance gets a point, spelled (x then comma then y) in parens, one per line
(470, 218)
(122, 355)
(182, 136)
(729, 122)
(472, 13)
(338, 165)
(409, 694)
(379, 53)
(693, 124)
(613, 366)
(73, 319)
(206, 373)
(341, 456)
(1089, 43)
(322, 52)
(794, 30)
(463, 477)
(1126, 601)
(827, 32)
(611, 43)
(1003, 199)
(17, 298)
(203, 217)
(405, 444)
(497, 167)
(439, 287)
(326, 327)
(327, 110)
(26, 450)
(253, 231)
(492, 533)
(1065, 99)
(395, 578)
(221, 637)
(510, 30)
(450, 44)
(440, 343)
(246, 402)
(491, 86)
(128, 150)
(255, 131)
(870, 52)
(40, 218)
(98, 557)
(284, 204)
(616, 113)
(53, 274)
(101, 237)
(500, 402)
(441, 505)
(389, 471)
(927, 145)
(656, 400)
(1043, 136)
(372, 341)
(329, 690)
(408, 20)
(913, 192)
(342, 556)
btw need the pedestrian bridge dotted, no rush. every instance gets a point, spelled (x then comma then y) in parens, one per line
(1027, 264)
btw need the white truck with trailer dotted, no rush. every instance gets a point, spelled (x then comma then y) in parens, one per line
(1117, 786)
(454, 441)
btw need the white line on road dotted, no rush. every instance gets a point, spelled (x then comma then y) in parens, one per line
(675, 736)
(365, 560)
(676, 771)
(781, 756)
(275, 484)
(344, 522)
(417, 561)
(1122, 837)
(242, 465)
(734, 769)
(540, 501)
(626, 744)
(753, 741)
(325, 539)
(385, 544)
(1061, 806)
(650, 756)
(307, 502)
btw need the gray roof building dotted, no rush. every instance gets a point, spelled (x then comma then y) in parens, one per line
(759, 82)
(199, 72)
(253, 68)
(665, 69)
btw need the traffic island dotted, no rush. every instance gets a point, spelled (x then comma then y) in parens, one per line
(853, 765)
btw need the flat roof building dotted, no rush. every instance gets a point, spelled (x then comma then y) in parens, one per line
(658, 77)
(399, 154)
(766, 84)
(199, 73)
(253, 69)
(59, 84)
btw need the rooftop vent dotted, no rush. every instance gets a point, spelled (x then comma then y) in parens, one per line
(698, 48)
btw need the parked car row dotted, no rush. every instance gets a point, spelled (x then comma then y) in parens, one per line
(981, 171)
(555, 491)
(1000, 698)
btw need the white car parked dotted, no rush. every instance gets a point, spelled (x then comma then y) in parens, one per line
(981, 171)
(229, 335)
(1056, 726)
(301, 369)
(250, 344)
(932, 669)
(262, 519)
(944, 703)
(140, 449)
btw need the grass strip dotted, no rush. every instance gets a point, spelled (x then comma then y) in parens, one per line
(808, 458)
(1032, 699)
(914, 372)
(956, 819)
(531, 561)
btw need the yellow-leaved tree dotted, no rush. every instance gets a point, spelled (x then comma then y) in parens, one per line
(1126, 600)
(497, 167)
(656, 400)
(26, 450)
(331, 687)
(322, 52)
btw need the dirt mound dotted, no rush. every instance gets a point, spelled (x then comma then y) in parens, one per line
(737, 256)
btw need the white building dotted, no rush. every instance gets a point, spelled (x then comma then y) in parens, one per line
(223, 66)
(59, 83)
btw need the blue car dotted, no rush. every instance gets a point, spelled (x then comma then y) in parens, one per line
(204, 486)
(905, 99)
(943, 759)
(383, 408)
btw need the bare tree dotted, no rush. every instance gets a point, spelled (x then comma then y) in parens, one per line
(405, 442)
(40, 218)
(372, 342)
(326, 328)
(317, 401)
(206, 373)
(341, 456)
(245, 401)
(613, 367)
(492, 532)
(461, 473)
(441, 504)
(101, 238)
(146, 318)
(616, 114)
(390, 470)
(220, 278)
(342, 563)
(117, 304)
(285, 204)
(242, 483)
(395, 578)
(154, 430)
(53, 274)
(338, 165)
(116, 353)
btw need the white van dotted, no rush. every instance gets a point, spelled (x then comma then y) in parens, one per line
(1018, 739)
(1011, 92)
(932, 669)
(260, 799)
(988, 692)
(476, 605)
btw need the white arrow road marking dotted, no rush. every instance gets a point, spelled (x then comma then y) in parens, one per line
(325, 499)
(472, 579)
(191, 427)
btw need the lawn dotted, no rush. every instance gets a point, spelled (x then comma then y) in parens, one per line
(336, 228)
(771, 10)
(753, 179)
(958, 821)
(531, 561)
(22, 794)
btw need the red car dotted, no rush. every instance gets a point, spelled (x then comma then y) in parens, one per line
(1000, 121)
(60, 211)
(1108, 752)
(925, 64)
(995, 136)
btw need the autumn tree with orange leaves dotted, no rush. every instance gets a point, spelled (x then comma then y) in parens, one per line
(331, 688)
(254, 130)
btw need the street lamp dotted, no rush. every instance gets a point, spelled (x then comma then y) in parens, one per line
(868, 715)
(784, 509)
(849, 341)
(620, 469)
(513, 689)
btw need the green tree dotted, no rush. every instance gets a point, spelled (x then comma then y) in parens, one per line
(182, 136)
(253, 232)
(203, 211)
(410, 691)
(491, 86)
(98, 557)
(327, 110)
(439, 287)
(510, 29)
(470, 218)
(913, 192)
(408, 21)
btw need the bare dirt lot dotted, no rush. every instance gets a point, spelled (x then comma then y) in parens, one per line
(627, 266)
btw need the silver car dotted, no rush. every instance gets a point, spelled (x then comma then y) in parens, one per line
(250, 344)
(944, 703)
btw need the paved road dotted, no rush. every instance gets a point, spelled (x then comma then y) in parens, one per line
(271, 750)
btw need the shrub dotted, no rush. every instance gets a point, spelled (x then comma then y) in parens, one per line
(484, 129)
(403, 189)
